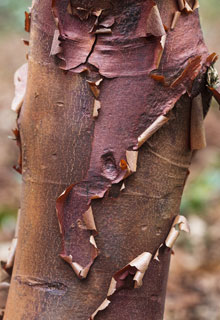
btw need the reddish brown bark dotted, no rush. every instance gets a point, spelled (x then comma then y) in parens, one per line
(141, 65)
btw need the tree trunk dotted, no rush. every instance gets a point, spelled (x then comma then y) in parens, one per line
(144, 64)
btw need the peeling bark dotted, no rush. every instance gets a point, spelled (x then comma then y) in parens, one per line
(132, 274)
(147, 35)
(114, 105)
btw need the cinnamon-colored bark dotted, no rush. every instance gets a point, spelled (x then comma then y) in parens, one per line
(107, 81)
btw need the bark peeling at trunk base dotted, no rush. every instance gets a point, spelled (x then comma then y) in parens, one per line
(128, 93)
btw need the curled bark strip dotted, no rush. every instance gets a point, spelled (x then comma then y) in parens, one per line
(103, 31)
(122, 187)
(18, 167)
(156, 256)
(80, 271)
(155, 25)
(97, 106)
(89, 220)
(94, 87)
(141, 264)
(180, 224)
(189, 8)
(160, 54)
(27, 23)
(102, 306)
(159, 78)
(130, 165)
(55, 47)
(20, 82)
(211, 59)
(175, 19)
(190, 72)
(156, 125)
(26, 42)
(130, 276)
(132, 157)
(197, 130)
(196, 5)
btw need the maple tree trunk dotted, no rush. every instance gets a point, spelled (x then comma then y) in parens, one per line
(64, 144)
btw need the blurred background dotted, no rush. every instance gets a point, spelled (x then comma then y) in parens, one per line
(194, 281)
